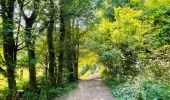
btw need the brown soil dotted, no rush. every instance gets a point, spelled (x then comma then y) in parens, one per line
(89, 89)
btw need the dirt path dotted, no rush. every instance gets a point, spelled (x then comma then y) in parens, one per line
(89, 90)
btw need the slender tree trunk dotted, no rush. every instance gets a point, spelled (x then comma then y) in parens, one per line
(76, 51)
(9, 47)
(29, 40)
(76, 61)
(46, 65)
(69, 49)
(50, 45)
(61, 45)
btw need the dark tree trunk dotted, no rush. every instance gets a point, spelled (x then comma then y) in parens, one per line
(29, 40)
(76, 51)
(46, 65)
(61, 45)
(3, 72)
(9, 47)
(69, 50)
(76, 61)
(50, 45)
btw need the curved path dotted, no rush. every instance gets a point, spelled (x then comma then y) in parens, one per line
(89, 90)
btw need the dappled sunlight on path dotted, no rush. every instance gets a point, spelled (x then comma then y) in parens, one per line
(91, 88)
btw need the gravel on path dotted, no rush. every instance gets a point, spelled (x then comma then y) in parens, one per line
(94, 89)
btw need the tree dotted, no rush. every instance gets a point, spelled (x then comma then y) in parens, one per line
(61, 43)
(69, 49)
(74, 11)
(51, 51)
(9, 47)
(76, 45)
(30, 40)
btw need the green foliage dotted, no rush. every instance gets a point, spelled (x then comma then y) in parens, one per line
(139, 89)
(126, 41)
(45, 92)
(117, 43)
(84, 69)
(112, 56)
(153, 90)
(87, 70)
(156, 65)
(61, 90)
(139, 35)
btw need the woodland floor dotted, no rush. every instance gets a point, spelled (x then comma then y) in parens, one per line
(91, 88)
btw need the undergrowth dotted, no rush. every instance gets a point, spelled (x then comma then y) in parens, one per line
(139, 89)
(44, 92)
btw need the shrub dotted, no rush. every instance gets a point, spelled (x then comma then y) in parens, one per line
(139, 89)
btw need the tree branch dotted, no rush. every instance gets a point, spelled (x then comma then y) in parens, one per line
(4, 9)
(21, 48)
(26, 3)
(19, 44)
(3, 72)
(21, 6)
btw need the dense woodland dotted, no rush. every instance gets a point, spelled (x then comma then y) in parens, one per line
(46, 46)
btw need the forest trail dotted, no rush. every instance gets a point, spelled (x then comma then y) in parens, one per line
(91, 88)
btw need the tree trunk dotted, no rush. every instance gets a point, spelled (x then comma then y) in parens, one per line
(76, 61)
(29, 40)
(46, 65)
(61, 45)
(76, 51)
(9, 47)
(69, 50)
(50, 45)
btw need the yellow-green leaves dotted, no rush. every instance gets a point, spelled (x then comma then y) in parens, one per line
(126, 13)
(157, 3)
(127, 28)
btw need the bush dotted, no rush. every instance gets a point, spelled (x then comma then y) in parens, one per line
(44, 92)
(139, 89)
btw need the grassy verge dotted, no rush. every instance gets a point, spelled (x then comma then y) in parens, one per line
(53, 92)
(44, 92)
(139, 89)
